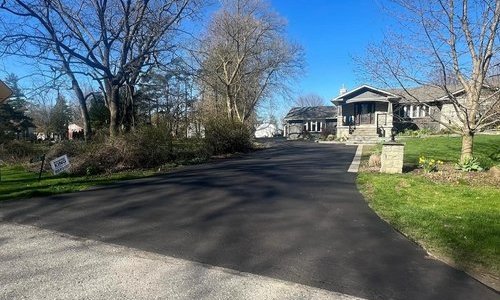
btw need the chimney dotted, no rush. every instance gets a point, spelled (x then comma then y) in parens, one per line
(342, 91)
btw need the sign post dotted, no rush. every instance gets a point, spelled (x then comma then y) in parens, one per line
(37, 159)
(5, 92)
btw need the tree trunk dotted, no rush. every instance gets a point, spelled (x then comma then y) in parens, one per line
(129, 108)
(113, 110)
(229, 104)
(467, 143)
(87, 130)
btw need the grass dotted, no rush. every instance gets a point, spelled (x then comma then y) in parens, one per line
(461, 223)
(458, 223)
(17, 183)
(447, 149)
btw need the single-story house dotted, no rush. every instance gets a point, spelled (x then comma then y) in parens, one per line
(266, 130)
(368, 114)
(312, 121)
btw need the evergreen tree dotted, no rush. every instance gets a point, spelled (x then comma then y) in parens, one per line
(98, 112)
(60, 117)
(13, 119)
(17, 100)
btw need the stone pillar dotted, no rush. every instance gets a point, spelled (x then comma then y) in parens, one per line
(392, 157)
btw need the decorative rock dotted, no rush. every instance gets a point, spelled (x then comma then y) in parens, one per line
(374, 160)
(495, 171)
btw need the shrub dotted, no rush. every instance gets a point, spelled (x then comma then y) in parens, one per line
(190, 151)
(223, 136)
(416, 132)
(328, 134)
(469, 165)
(71, 148)
(377, 150)
(149, 146)
(16, 150)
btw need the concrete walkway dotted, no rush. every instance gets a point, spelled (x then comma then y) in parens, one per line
(42, 264)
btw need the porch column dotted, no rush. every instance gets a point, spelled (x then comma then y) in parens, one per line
(390, 115)
(411, 111)
(340, 118)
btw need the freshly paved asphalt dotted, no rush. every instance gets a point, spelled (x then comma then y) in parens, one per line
(291, 212)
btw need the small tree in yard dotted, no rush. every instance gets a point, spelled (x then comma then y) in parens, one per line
(445, 44)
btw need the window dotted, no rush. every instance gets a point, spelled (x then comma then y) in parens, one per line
(415, 111)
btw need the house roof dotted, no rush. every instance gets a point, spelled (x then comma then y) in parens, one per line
(430, 93)
(425, 93)
(311, 112)
(365, 93)
(5, 92)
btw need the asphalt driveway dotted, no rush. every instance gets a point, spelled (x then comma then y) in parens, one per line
(291, 212)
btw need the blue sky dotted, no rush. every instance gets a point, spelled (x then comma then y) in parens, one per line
(331, 32)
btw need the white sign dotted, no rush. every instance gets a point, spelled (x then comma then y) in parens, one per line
(60, 164)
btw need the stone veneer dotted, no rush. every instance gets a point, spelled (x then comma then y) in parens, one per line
(392, 157)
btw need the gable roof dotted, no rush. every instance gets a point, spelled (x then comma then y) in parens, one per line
(367, 93)
(5, 92)
(431, 93)
(311, 112)
(424, 93)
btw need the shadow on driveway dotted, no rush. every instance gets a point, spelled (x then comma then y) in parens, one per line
(291, 212)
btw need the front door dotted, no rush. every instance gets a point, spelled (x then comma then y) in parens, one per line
(364, 113)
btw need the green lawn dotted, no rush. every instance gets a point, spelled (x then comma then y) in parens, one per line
(455, 221)
(17, 183)
(447, 149)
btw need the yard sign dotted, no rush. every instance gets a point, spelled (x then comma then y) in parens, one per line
(60, 164)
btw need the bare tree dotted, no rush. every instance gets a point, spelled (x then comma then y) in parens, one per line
(245, 56)
(110, 41)
(447, 45)
(309, 100)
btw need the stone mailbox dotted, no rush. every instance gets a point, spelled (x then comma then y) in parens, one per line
(391, 160)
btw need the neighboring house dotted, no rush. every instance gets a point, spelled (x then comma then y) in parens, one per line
(368, 114)
(302, 122)
(5, 92)
(266, 130)
(75, 131)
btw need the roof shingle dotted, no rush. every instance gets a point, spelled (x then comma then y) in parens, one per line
(311, 112)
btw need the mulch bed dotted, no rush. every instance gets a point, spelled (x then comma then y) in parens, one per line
(448, 174)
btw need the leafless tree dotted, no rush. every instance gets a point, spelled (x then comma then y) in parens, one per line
(309, 100)
(110, 41)
(245, 56)
(447, 45)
